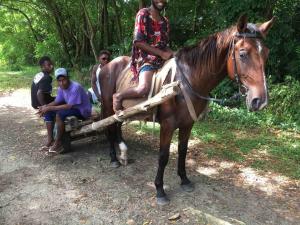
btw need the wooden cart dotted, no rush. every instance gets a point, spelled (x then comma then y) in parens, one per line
(76, 129)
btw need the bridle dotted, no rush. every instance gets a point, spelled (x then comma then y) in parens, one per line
(237, 78)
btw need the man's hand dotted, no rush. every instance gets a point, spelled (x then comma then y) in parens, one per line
(42, 110)
(167, 54)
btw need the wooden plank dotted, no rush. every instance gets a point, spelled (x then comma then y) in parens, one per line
(168, 91)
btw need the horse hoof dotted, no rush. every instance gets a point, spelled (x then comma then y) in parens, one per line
(163, 201)
(188, 187)
(115, 164)
(124, 162)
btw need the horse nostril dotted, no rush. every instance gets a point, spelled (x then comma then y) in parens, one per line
(255, 104)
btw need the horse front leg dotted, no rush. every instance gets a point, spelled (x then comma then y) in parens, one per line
(166, 133)
(184, 135)
(111, 130)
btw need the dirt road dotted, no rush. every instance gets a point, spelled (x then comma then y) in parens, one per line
(81, 188)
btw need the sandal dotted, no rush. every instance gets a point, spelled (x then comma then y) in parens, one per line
(46, 147)
(53, 150)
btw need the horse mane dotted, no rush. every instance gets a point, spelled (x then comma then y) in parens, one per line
(206, 54)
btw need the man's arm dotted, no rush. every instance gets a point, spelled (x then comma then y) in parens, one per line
(165, 55)
(42, 97)
(53, 106)
(94, 82)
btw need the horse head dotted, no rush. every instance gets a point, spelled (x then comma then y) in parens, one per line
(247, 60)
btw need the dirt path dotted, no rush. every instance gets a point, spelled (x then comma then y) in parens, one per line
(81, 188)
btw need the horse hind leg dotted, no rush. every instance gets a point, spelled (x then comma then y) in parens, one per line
(123, 158)
(111, 136)
(184, 134)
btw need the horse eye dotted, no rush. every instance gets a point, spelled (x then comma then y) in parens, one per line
(243, 53)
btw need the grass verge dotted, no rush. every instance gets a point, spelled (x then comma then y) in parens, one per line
(242, 137)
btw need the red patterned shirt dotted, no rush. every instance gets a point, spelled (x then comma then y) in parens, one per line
(155, 33)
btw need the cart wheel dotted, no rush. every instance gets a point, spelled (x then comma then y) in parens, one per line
(66, 140)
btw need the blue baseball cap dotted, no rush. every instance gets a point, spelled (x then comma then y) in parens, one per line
(61, 72)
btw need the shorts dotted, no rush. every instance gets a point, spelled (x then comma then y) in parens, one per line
(50, 116)
(148, 67)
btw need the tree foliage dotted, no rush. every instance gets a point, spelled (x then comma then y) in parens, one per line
(72, 32)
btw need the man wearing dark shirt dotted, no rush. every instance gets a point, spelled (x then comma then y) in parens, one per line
(41, 89)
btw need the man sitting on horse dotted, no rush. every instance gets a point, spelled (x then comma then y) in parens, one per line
(149, 52)
(71, 100)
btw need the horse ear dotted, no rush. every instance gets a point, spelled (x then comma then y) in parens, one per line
(242, 23)
(265, 27)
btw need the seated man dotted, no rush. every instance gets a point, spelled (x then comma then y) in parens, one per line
(71, 100)
(41, 89)
(95, 92)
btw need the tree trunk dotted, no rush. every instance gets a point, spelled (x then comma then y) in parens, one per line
(89, 31)
(105, 24)
(118, 20)
(142, 4)
(52, 7)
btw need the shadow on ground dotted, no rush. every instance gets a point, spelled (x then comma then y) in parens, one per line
(81, 188)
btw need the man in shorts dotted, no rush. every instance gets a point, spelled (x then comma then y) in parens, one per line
(41, 89)
(150, 46)
(71, 100)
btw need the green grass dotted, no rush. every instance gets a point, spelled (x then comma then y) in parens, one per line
(243, 137)
(262, 147)
(12, 80)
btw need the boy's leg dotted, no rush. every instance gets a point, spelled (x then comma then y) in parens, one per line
(60, 118)
(50, 139)
(49, 120)
(143, 88)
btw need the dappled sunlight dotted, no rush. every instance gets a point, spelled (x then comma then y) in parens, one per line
(208, 171)
(41, 132)
(268, 184)
(18, 98)
(226, 165)
(194, 142)
(271, 184)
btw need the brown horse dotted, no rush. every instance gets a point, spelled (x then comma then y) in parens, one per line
(238, 51)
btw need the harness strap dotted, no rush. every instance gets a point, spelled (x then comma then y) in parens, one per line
(190, 104)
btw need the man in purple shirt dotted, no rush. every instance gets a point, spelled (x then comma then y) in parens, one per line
(71, 100)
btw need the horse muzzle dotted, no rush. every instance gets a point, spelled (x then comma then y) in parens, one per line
(256, 103)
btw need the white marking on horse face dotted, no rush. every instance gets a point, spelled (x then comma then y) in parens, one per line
(259, 46)
(266, 92)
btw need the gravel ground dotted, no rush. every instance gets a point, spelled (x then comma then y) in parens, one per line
(81, 188)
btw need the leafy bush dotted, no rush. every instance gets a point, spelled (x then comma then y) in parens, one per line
(284, 105)
(283, 109)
